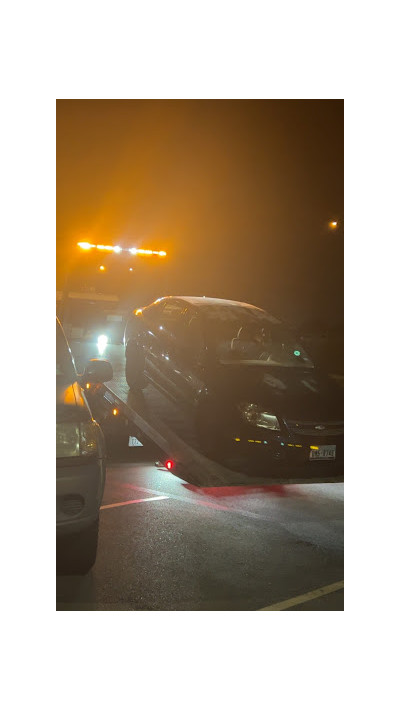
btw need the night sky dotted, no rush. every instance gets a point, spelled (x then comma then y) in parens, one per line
(239, 193)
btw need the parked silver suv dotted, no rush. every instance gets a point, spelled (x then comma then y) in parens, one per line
(80, 451)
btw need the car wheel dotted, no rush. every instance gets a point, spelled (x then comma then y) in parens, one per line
(76, 552)
(134, 369)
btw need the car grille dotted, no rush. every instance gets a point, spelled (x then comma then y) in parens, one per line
(322, 429)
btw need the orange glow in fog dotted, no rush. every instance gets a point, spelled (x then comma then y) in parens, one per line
(117, 249)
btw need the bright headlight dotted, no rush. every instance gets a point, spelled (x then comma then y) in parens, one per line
(101, 344)
(76, 439)
(255, 415)
(102, 341)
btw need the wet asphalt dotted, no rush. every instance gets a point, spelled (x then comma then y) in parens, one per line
(221, 548)
(185, 547)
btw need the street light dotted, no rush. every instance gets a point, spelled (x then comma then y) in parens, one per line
(333, 224)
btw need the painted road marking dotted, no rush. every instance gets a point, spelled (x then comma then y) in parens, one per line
(293, 601)
(195, 502)
(210, 504)
(198, 502)
(133, 501)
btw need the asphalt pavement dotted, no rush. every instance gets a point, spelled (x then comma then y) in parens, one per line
(167, 545)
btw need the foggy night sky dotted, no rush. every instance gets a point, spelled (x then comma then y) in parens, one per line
(239, 193)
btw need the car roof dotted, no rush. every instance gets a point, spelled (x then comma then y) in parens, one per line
(211, 301)
(204, 301)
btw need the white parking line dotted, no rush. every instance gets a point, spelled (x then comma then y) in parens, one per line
(293, 601)
(199, 502)
(133, 501)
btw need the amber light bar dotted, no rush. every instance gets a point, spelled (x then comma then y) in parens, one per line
(109, 248)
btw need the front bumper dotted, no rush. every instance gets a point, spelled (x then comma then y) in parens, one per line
(256, 449)
(79, 491)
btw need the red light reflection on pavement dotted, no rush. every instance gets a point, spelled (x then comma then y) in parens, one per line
(210, 504)
(225, 491)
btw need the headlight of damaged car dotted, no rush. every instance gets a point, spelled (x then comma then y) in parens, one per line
(76, 439)
(255, 415)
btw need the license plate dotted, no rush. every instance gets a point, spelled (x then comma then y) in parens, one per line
(324, 451)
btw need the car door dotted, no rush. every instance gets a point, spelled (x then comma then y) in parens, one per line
(162, 345)
(190, 372)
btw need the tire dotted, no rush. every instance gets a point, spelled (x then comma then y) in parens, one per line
(134, 368)
(76, 552)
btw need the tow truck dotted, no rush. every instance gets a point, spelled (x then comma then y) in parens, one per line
(90, 315)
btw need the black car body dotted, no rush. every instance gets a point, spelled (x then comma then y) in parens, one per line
(80, 471)
(257, 395)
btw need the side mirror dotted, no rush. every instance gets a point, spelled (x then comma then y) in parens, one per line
(97, 371)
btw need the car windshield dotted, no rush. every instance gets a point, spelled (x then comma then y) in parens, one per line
(252, 337)
(65, 368)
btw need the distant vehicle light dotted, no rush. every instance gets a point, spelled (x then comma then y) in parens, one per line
(102, 268)
(169, 464)
(162, 254)
(117, 249)
(102, 343)
(133, 250)
(85, 245)
(105, 247)
(115, 411)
